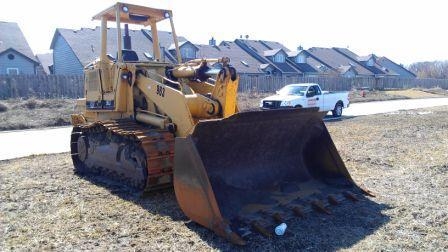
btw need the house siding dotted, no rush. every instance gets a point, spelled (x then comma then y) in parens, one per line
(188, 52)
(301, 58)
(20, 62)
(64, 59)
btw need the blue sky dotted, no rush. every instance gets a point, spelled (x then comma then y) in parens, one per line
(404, 31)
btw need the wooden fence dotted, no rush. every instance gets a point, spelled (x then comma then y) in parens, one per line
(271, 83)
(41, 86)
(71, 86)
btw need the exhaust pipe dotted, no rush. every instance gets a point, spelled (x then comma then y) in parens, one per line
(126, 38)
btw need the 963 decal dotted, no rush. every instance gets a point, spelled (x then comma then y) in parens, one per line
(160, 91)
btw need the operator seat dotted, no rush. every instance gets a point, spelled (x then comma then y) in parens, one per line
(129, 55)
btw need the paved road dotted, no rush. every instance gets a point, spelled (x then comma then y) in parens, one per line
(21, 143)
(370, 108)
(14, 144)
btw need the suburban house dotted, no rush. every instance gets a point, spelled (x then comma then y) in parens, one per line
(73, 49)
(335, 60)
(396, 68)
(271, 54)
(16, 56)
(241, 60)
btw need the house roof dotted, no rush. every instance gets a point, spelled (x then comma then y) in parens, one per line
(259, 46)
(181, 43)
(366, 58)
(241, 60)
(397, 68)
(46, 60)
(274, 45)
(11, 37)
(165, 38)
(377, 68)
(270, 53)
(264, 66)
(311, 65)
(347, 52)
(86, 42)
(334, 59)
(264, 50)
(306, 68)
(286, 67)
(345, 69)
(166, 41)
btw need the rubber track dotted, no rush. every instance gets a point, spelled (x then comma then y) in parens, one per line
(156, 144)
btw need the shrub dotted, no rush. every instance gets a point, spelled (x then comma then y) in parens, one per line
(61, 122)
(31, 104)
(3, 107)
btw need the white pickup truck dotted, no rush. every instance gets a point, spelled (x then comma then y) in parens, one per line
(306, 95)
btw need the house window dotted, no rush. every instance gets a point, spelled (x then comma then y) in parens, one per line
(187, 53)
(11, 56)
(279, 58)
(12, 71)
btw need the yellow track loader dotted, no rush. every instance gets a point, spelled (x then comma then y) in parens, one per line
(154, 124)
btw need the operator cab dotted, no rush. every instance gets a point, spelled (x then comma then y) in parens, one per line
(134, 15)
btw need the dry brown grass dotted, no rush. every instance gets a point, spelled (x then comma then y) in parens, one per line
(402, 157)
(414, 93)
(436, 90)
(35, 113)
(373, 95)
(251, 101)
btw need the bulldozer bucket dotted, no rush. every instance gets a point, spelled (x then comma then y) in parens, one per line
(255, 170)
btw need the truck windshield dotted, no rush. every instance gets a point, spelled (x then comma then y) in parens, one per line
(293, 90)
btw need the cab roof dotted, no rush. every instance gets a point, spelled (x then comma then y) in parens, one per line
(134, 14)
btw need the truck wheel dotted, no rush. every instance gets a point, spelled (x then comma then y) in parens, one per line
(337, 111)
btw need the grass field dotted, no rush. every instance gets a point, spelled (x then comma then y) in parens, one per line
(402, 157)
